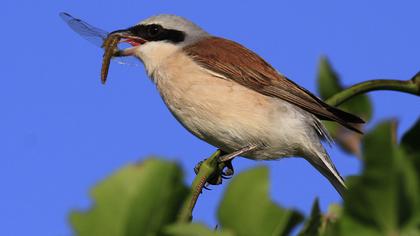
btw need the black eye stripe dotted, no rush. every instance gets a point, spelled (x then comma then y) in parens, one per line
(156, 32)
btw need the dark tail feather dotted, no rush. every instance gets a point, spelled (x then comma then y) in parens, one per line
(345, 116)
(346, 119)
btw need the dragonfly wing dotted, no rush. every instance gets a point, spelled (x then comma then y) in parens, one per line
(129, 61)
(94, 35)
(87, 31)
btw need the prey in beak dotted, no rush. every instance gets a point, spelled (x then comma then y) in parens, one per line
(110, 45)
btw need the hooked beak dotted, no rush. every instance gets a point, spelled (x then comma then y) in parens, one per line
(127, 36)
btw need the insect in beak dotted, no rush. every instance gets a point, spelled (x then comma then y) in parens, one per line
(126, 36)
(110, 46)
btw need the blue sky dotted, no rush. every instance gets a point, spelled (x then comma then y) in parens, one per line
(61, 131)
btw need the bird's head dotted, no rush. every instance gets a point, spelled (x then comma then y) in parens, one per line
(159, 36)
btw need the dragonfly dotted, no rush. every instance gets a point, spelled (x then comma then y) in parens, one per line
(97, 37)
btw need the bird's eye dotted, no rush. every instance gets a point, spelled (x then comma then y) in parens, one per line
(154, 30)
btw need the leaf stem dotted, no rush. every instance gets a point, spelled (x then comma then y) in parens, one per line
(411, 86)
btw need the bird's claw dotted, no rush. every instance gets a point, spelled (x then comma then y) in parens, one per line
(225, 171)
(206, 186)
(224, 166)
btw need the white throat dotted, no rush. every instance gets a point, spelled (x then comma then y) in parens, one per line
(153, 54)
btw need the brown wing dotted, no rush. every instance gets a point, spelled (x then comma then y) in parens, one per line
(240, 64)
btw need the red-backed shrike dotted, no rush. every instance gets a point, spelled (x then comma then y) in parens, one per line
(228, 96)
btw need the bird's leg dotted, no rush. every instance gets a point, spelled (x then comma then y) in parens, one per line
(227, 159)
(241, 151)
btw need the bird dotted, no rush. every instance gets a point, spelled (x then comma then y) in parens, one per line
(230, 97)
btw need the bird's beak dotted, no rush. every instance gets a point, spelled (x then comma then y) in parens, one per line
(126, 36)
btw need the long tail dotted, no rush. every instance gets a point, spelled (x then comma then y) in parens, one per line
(323, 164)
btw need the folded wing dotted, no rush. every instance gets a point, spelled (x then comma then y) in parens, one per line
(234, 61)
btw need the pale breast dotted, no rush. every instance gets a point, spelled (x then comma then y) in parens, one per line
(228, 115)
(216, 110)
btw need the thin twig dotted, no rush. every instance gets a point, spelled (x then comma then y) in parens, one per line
(411, 86)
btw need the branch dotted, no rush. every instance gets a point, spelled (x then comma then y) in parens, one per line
(208, 168)
(411, 86)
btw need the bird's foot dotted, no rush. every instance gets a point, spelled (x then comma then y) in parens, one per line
(224, 166)
(224, 171)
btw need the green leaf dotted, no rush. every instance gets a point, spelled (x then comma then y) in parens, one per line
(328, 81)
(384, 200)
(313, 223)
(136, 200)
(329, 84)
(410, 143)
(193, 230)
(246, 208)
(411, 140)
